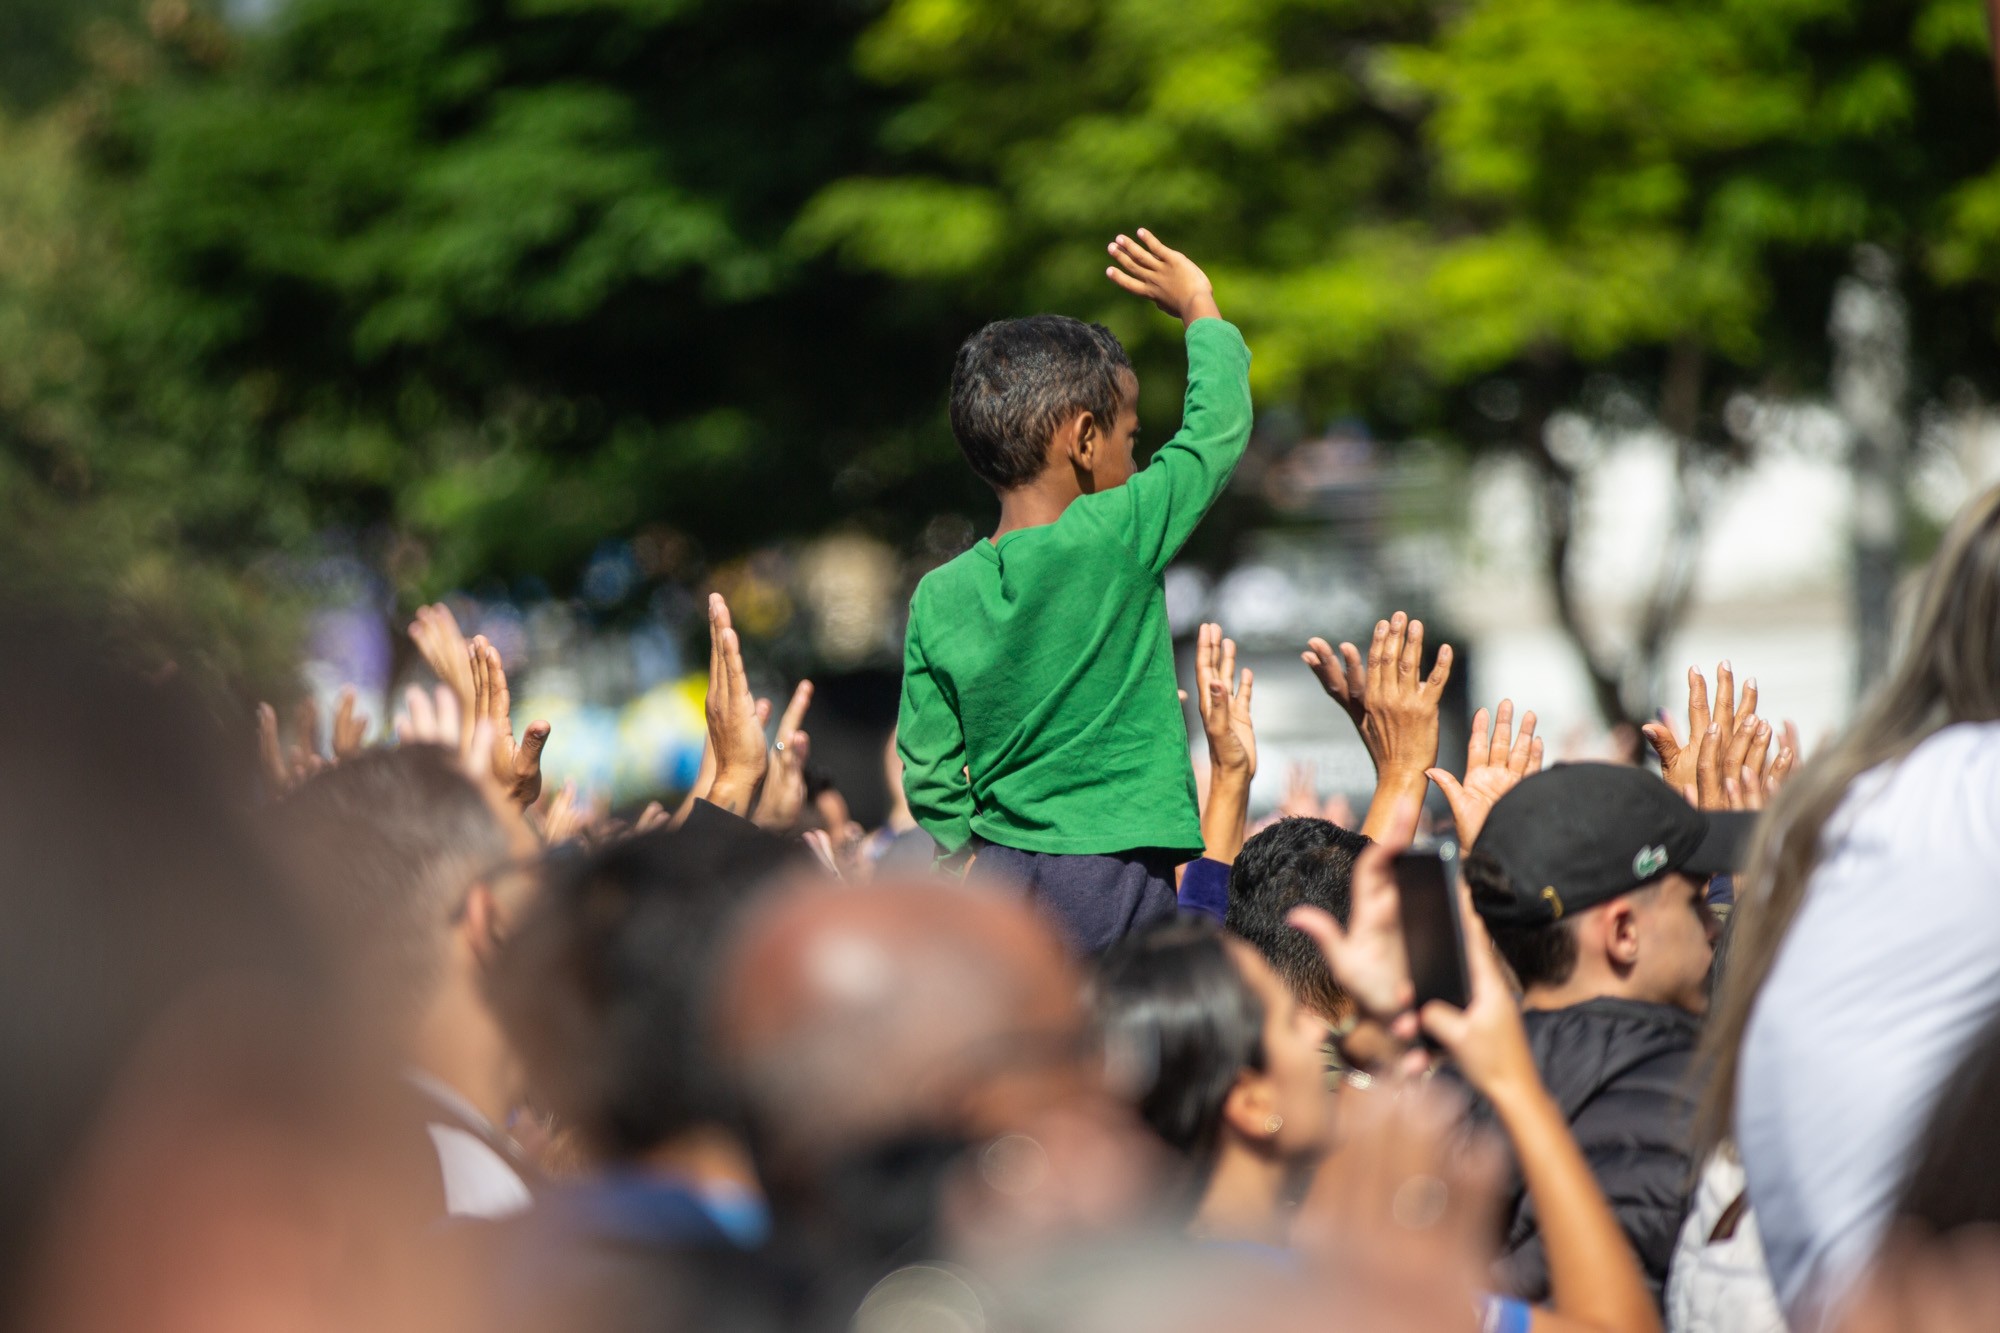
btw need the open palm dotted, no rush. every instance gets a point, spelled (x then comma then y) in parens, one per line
(1494, 764)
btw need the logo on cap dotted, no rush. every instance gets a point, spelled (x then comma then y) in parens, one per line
(1649, 862)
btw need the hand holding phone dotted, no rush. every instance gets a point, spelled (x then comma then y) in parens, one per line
(1433, 934)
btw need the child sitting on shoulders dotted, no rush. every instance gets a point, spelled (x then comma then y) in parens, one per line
(1041, 726)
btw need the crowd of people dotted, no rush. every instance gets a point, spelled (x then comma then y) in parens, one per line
(387, 1036)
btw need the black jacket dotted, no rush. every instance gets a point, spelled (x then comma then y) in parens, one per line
(1620, 1071)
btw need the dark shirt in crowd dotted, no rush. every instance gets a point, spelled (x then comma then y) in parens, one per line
(1619, 1071)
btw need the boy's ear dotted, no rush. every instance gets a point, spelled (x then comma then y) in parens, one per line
(1082, 439)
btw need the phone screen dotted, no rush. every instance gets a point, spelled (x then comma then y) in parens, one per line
(1432, 931)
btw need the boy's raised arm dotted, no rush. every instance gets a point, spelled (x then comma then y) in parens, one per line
(1161, 506)
(932, 747)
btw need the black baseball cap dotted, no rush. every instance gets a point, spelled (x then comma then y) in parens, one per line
(1578, 835)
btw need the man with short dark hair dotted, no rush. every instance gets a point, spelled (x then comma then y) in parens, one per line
(1295, 862)
(418, 873)
(1590, 878)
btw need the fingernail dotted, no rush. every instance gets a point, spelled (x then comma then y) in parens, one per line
(1714, 729)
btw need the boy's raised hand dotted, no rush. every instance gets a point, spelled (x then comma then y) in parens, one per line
(1167, 278)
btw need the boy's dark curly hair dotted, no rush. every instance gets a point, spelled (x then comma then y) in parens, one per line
(1016, 380)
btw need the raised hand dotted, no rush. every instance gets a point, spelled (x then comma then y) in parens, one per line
(1723, 756)
(1680, 761)
(285, 769)
(1754, 782)
(784, 792)
(1400, 711)
(350, 727)
(1344, 677)
(442, 645)
(1301, 792)
(566, 816)
(432, 719)
(1224, 702)
(517, 766)
(1167, 278)
(735, 731)
(1494, 763)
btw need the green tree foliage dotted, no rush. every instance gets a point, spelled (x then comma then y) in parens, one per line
(124, 474)
(484, 282)
(510, 279)
(43, 46)
(1403, 198)
(1461, 219)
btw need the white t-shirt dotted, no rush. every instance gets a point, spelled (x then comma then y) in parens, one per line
(1889, 971)
(478, 1181)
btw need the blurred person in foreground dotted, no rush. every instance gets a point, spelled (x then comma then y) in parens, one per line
(1938, 1270)
(1039, 724)
(932, 1122)
(603, 989)
(417, 862)
(1866, 926)
(1590, 878)
(181, 1149)
(917, 1080)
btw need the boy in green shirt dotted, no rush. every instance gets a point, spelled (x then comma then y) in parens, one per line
(1040, 722)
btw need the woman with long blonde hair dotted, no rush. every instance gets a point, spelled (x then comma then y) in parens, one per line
(1866, 950)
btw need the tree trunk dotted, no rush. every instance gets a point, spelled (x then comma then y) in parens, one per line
(1624, 681)
(1869, 326)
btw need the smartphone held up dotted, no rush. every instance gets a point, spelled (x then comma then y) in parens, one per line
(1433, 933)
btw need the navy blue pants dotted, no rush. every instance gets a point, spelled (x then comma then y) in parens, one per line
(1095, 901)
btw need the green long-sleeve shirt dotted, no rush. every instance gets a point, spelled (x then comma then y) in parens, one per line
(1039, 705)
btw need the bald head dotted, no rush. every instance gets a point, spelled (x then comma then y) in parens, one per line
(856, 1014)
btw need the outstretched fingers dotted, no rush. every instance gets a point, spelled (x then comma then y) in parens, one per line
(1697, 705)
(1157, 250)
(1666, 745)
(1412, 655)
(1479, 746)
(1525, 756)
(1723, 713)
(1503, 731)
(1205, 654)
(795, 710)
